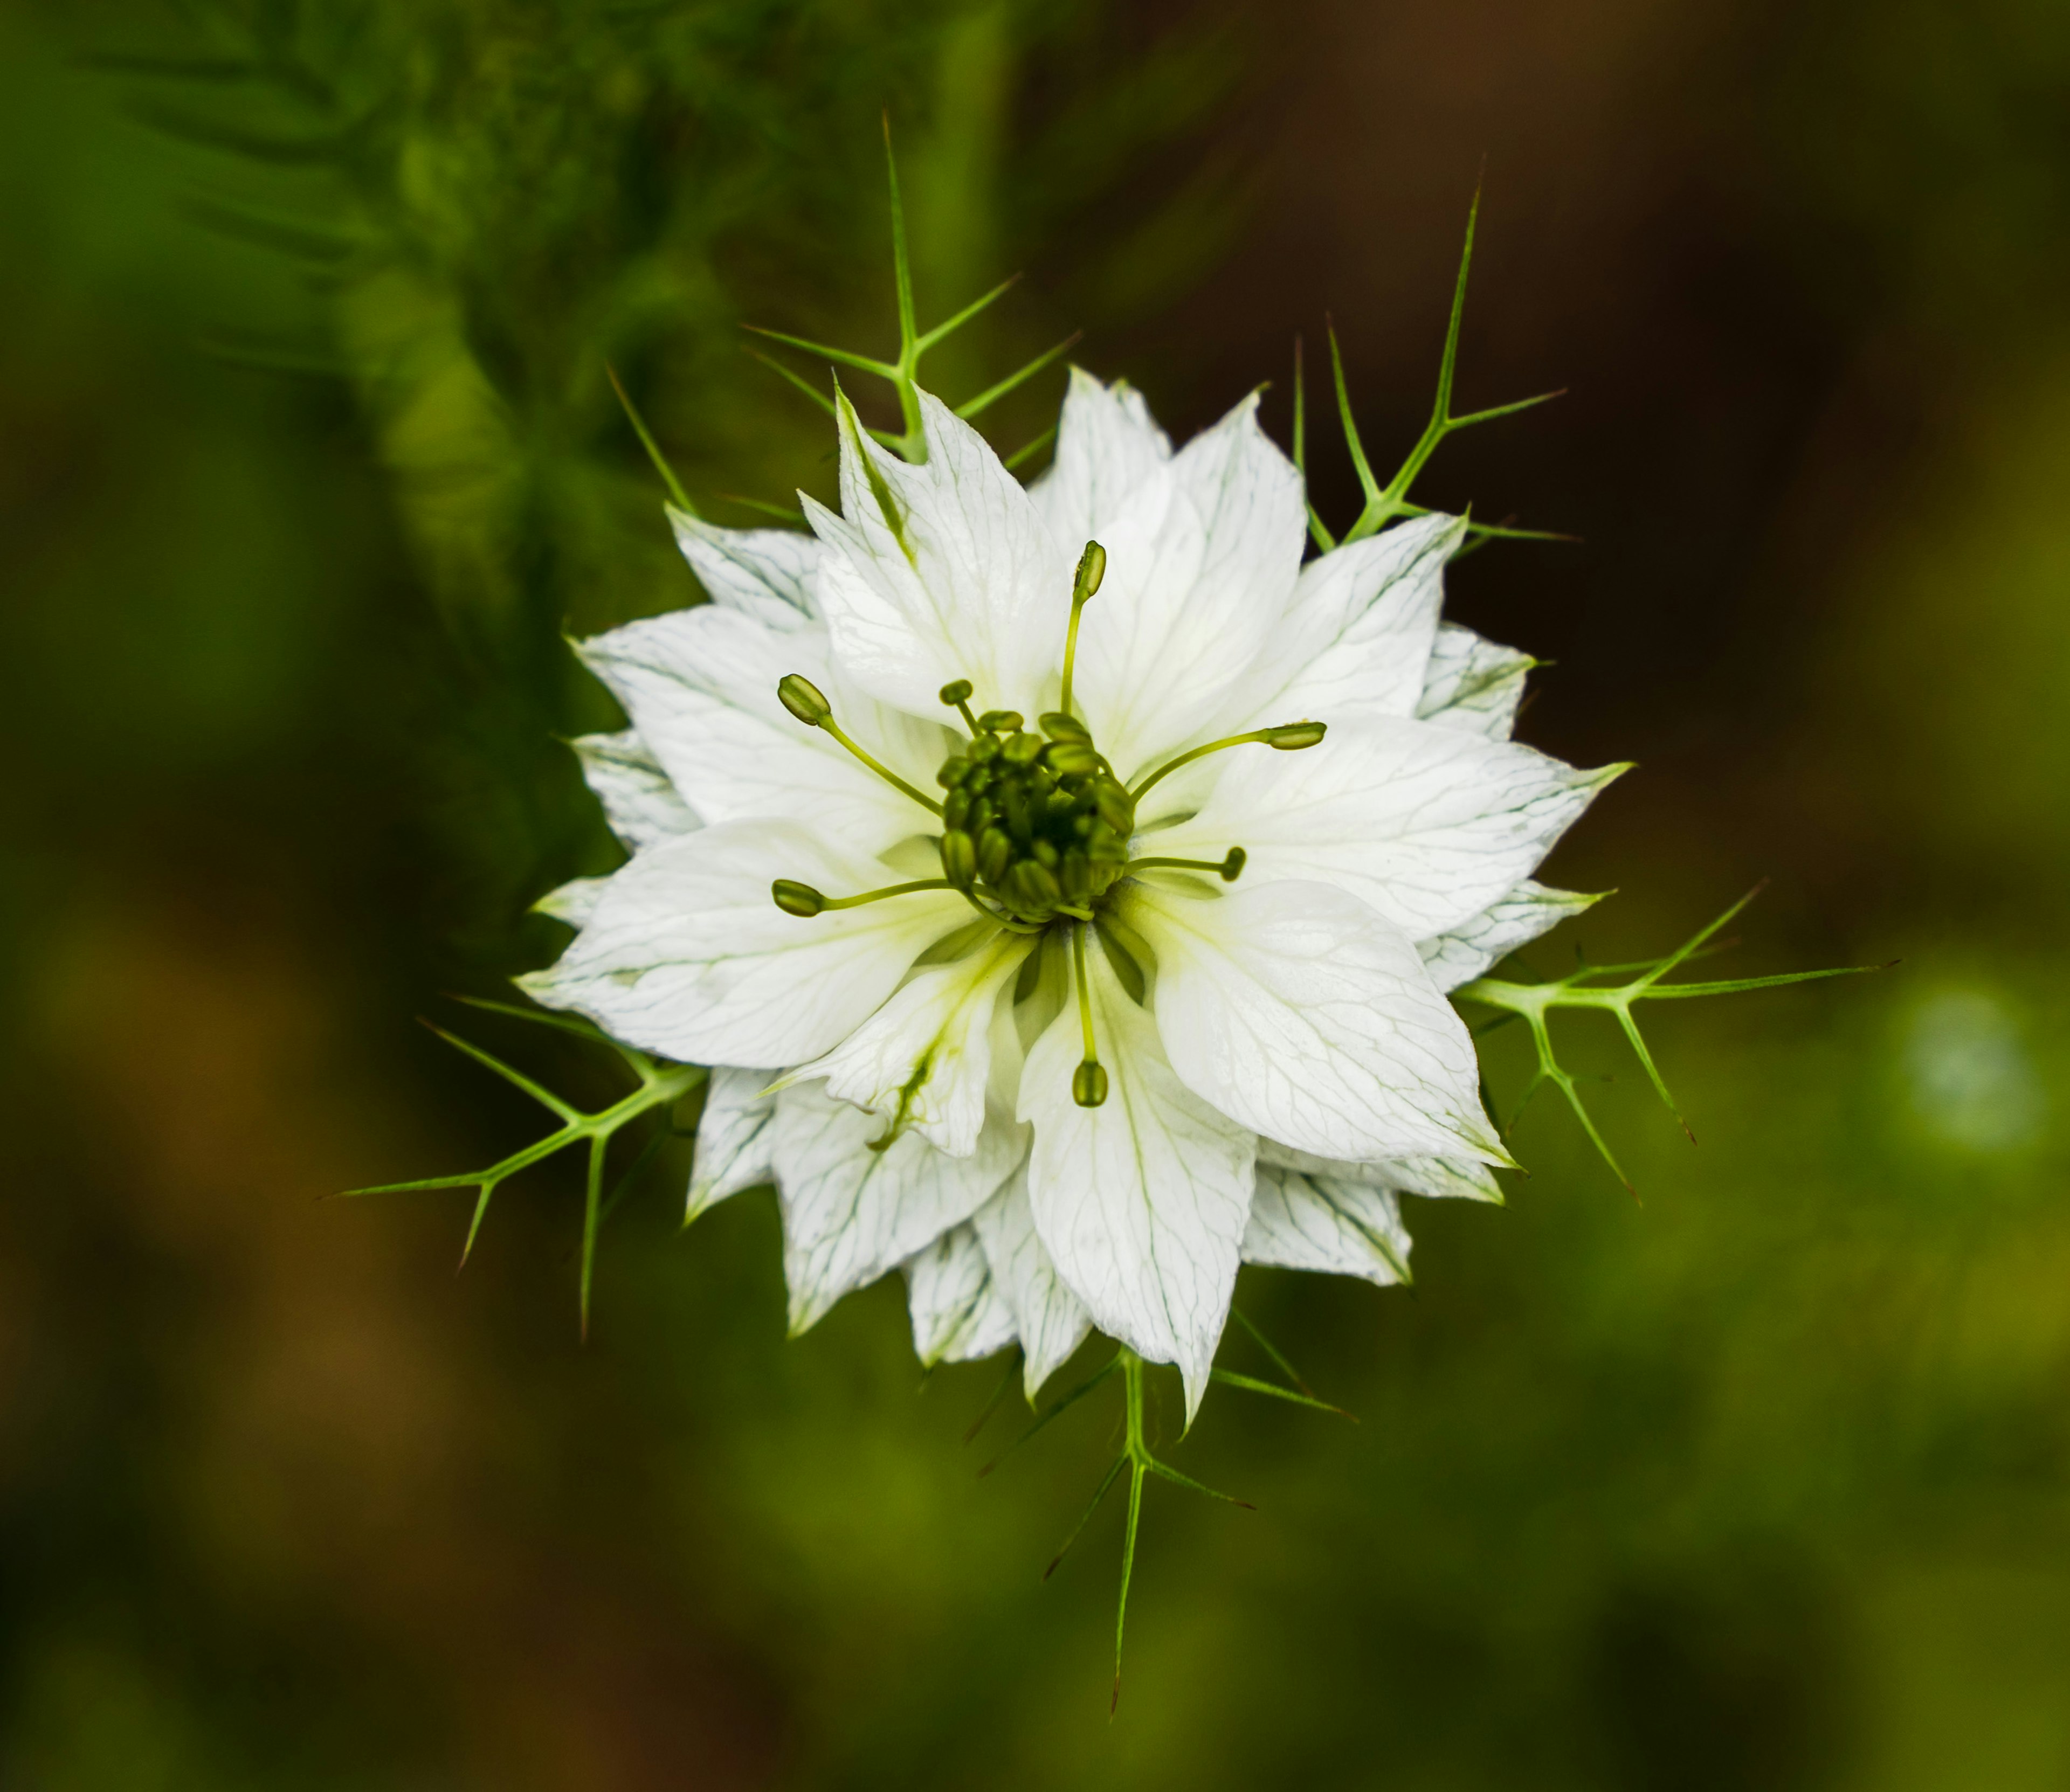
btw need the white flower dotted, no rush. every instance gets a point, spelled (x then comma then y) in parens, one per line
(1067, 1023)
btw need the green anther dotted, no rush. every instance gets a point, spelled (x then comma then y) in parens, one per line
(1287, 737)
(956, 694)
(999, 721)
(959, 859)
(1233, 864)
(1293, 737)
(1021, 749)
(1092, 569)
(1116, 807)
(1060, 727)
(1228, 868)
(1070, 758)
(995, 853)
(791, 897)
(803, 700)
(1089, 1080)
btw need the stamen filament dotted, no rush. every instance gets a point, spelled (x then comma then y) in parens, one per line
(1092, 569)
(1227, 869)
(804, 700)
(803, 901)
(1288, 737)
(1089, 1083)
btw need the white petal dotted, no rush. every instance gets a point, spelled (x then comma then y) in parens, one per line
(924, 1060)
(1202, 559)
(1427, 825)
(687, 955)
(767, 573)
(1356, 637)
(574, 901)
(1473, 684)
(851, 1214)
(1440, 1177)
(639, 801)
(959, 1313)
(1107, 444)
(1140, 1203)
(1303, 1221)
(959, 579)
(700, 687)
(1301, 1013)
(1051, 1321)
(734, 1138)
(1516, 920)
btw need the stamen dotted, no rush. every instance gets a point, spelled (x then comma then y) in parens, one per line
(803, 901)
(957, 695)
(1092, 569)
(1288, 737)
(1089, 1080)
(803, 700)
(1228, 868)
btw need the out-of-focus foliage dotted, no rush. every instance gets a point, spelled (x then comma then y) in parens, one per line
(1760, 1484)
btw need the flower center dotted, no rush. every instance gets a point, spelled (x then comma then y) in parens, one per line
(1039, 826)
(1035, 825)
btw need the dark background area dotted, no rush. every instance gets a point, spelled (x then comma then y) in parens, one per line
(307, 458)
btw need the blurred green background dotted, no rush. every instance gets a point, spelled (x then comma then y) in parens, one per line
(306, 459)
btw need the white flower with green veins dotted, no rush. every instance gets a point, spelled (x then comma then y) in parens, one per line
(1066, 882)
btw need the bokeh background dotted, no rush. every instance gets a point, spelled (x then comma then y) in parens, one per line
(307, 458)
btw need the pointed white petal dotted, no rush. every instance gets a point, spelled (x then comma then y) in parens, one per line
(1427, 825)
(1357, 636)
(940, 571)
(700, 687)
(1140, 1203)
(686, 954)
(1202, 559)
(639, 801)
(734, 1138)
(1107, 444)
(574, 902)
(924, 1059)
(767, 573)
(1473, 684)
(959, 1313)
(1440, 1177)
(1051, 1321)
(1516, 920)
(1301, 1013)
(850, 1213)
(1299, 1220)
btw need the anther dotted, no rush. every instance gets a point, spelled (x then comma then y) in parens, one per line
(1089, 1080)
(1287, 737)
(1295, 736)
(1092, 569)
(805, 700)
(803, 901)
(959, 859)
(956, 694)
(1233, 864)
(999, 721)
(1060, 727)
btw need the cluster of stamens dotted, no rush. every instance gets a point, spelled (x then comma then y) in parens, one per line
(1039, 826)
(1035, 825)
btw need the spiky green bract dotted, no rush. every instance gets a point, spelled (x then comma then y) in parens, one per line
(914, 343)
(1534, 1003)
(660, 1086)
(1384, 503)
(1141, 1462)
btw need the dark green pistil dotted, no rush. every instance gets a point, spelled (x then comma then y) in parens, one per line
(1041, 827)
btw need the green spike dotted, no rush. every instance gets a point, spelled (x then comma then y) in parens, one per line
(986, 399)
(647, 441)
(942, 331)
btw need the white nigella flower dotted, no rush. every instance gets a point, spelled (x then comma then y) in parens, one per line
(1031, 954)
